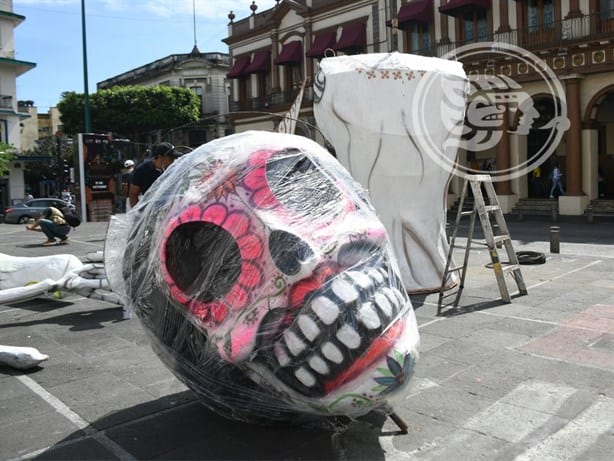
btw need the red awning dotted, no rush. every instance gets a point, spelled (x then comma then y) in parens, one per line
(458, 7)
(260, 63)
(416, 11)
(353, 36)
(238, 69)
(291, 53)
(322, 42)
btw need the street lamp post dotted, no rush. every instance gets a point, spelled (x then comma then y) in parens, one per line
(85, 84)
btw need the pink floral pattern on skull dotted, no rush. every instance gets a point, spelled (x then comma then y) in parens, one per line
(260, 270)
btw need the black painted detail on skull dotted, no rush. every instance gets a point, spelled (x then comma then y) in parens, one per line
(203, 259)
(288, 251)
(358, 252)
(301, 186)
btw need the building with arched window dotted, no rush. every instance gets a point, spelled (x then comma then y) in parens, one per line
(276, 50)
(203, 73)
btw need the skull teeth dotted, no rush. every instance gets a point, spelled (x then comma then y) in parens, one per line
(308, 327)
(325, 309)
(294, 343)
(336, 326)
(317, 363)
(367, 315)
(305, 377)
(348, 336)
(345, 290)
(332, 353)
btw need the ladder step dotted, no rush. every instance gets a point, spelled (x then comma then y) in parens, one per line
(491, 208)
(507, 267)
(455, 269)
(501, 238)
(466, 213)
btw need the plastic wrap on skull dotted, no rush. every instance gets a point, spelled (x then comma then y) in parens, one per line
(266, 281)
(393, 119)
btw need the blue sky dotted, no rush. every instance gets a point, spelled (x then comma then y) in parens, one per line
(121, 35)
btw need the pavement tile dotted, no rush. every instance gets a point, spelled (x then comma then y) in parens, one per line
(496, 338)
(439, 369)
(513, 323)
(464, 350)
(452, 446)
(22, 407)
(507, 422)
(531, 366)
(21, 435)
(430, 341)
(74, 451)
(448, 404)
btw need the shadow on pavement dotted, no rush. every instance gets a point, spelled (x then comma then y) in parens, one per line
(191, 431)
(77, 321)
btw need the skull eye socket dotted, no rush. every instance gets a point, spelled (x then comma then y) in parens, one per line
(317, 193)
(203, 260)
(288, 251)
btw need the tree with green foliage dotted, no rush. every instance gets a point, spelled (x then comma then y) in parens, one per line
(6, 155)
(130, 111)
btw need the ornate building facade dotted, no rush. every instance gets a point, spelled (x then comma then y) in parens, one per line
(274, 51)
(203, 73)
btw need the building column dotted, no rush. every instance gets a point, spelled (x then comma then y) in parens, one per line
(518, 155)
(275, 70)
(503, 163)
(504, 20)
(573, 137)
(502, 154)
(445, 39)
(306, 45)
(574, 201)
(574, 9)
(590, 160)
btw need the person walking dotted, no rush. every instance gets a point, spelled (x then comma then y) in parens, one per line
(146, 173)
(556, 176)
(125, 186)
(536, 181)
(51, 222)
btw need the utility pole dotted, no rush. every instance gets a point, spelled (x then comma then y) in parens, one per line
(60, 169)
(88, 124)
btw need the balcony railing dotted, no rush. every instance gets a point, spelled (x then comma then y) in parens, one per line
(556, 34)
(272, 102)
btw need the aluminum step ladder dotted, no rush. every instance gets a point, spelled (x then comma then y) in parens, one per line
(487, 209)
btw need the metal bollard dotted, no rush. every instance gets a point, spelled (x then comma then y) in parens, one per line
(555, 239)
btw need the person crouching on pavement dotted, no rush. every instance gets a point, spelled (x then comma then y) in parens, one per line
(51, 222)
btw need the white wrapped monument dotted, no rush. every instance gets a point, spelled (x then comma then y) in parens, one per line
(394, 120)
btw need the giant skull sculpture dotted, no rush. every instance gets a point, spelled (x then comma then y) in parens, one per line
(267, 281)
(393, 120)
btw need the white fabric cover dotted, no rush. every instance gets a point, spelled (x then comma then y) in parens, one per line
(392, 119)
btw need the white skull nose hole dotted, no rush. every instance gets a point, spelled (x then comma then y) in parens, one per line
(288, 251)
(203, 260)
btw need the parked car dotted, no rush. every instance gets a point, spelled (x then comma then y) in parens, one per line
(22, 213)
